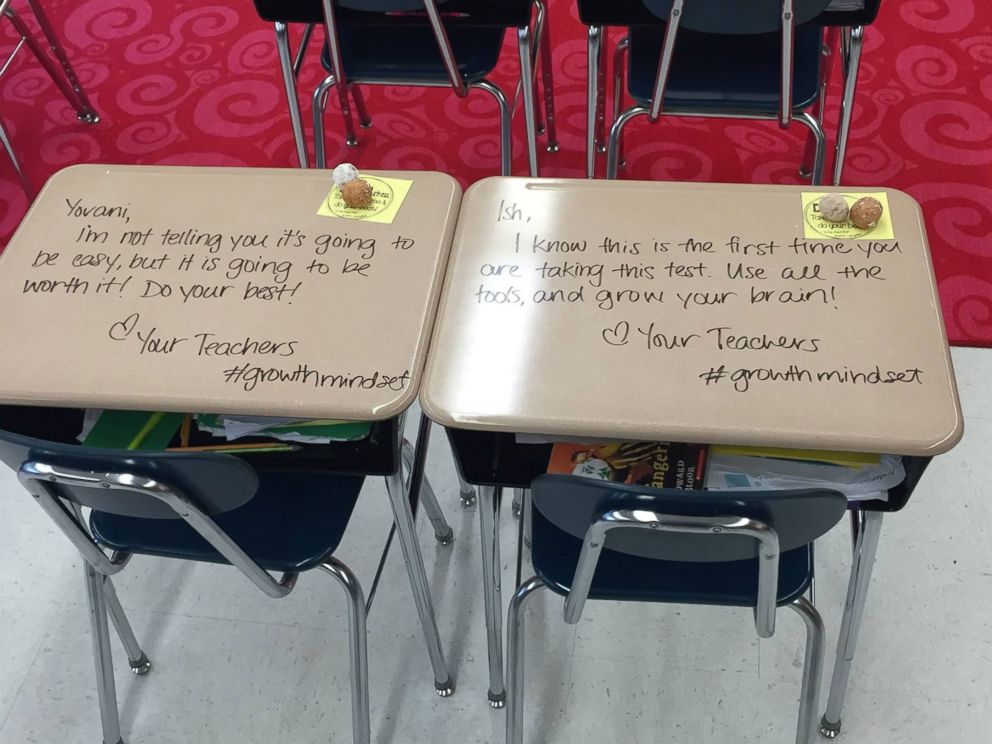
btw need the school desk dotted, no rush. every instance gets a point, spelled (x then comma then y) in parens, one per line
(730, 314)
(233, 290)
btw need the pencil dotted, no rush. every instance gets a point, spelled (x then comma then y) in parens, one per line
(184, 431)
(147, 429)
(245, 448)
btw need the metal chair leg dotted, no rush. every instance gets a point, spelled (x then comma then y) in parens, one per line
(826, 64)
(816, 131)
(594, 51)
(866, 527)
(73, 91)
(301, 50)
(292, 101)
(616, 131)
(442, 530)
(526, 74)
(491, 579)
(405, 530)
(100, 633)
(357, 642)
(137, 658)
(25, 184)
(319, 102)
(853, 42)
(505, 122)
(515, 659)
(812, 670)
(619, 60)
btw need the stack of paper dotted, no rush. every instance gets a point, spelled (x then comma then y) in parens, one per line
(305, 431)
(741, 473)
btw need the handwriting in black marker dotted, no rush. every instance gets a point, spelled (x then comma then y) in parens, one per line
(617, 336)
(123, 328)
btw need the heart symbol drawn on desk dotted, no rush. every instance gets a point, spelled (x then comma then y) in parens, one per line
(617, 336)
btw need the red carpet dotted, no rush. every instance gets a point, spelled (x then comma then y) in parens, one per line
(187, 83)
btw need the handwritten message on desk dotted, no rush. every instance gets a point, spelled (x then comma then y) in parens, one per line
(220, 290)
(690, 312)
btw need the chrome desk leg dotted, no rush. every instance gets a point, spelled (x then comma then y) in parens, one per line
(466, 493)
(357, 643)
(442, 530)
(517, 505)
(74, 92)
(527, 74)
(491, 578)
(548, 84)
(594, 52)
(289, 81)
(5, 140)
(867, 527)
(405, 530)
(515, 659)
(536, 34)
(812, 670)
(619, 59)
(100, 632)
(364, 117)
(601, 130)
(137, 658)
(854, 39)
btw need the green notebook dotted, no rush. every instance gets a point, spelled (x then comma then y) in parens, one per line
(119, 429)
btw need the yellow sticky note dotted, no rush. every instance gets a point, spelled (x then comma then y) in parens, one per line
(817, 227)
(387, 198)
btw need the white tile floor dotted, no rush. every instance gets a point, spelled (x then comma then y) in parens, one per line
(232, 665)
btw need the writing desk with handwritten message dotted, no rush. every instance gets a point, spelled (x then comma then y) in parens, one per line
(686, 312)
(222, 290)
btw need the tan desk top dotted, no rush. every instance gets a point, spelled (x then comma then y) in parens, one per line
(113, 293)
(668, 311)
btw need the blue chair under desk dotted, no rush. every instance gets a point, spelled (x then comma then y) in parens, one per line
(261, 513)
(596, 540)
(493, 461)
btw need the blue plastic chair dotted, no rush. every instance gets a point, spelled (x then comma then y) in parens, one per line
(598, 540)
(194, 506)
(722, 58)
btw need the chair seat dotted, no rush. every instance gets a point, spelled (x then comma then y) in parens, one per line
(724, 74)
(293, 522)
(407, 53)
(619, 576)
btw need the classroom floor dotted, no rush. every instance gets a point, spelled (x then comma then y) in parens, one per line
(232, 665)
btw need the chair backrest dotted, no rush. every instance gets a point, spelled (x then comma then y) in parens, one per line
(684, 526)
(732, 17)
(149, 485)
(573, 503)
